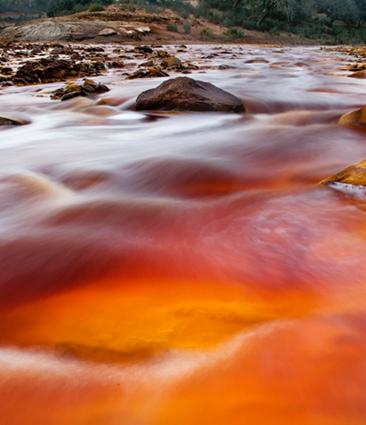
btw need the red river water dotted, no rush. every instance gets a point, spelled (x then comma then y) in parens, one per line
(185, 268)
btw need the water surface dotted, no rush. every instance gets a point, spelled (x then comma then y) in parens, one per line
(185, 268)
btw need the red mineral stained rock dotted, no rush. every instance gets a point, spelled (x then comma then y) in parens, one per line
(354, 119)
(354, 175)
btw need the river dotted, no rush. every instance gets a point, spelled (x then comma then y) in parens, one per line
(185, 268)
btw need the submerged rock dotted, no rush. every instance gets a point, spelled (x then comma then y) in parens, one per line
(354, 119)
(11, 121)
(186, 94)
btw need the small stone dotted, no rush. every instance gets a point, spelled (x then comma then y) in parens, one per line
(154, 72)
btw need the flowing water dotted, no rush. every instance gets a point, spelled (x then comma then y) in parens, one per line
(185, 268)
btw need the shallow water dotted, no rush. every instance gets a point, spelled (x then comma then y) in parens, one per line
(185, 268)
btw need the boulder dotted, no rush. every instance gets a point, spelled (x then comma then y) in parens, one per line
(186, 94)
(354, 175)
(354, 119)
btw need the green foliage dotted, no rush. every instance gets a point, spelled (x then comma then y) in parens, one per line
(187, 27)
(323, 20)
(172, 27)
(62, 7)
(206, 34)
(233, 34)
(96, 7)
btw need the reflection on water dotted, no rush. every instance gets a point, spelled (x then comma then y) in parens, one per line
(185, 268)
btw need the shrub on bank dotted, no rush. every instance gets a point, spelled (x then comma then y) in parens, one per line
(172, 27)
(206, 34)
(187, 27)
(96, 7)
(232, 34)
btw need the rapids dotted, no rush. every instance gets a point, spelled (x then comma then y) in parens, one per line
(185, 268)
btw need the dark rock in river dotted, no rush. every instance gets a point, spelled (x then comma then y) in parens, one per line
(186, 94)
(48, 70)
(154, 72)
(143, 49)
(11, 121)
(171, 62)
(71, 90)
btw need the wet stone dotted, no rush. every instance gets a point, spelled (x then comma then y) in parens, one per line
(71, 90)
(186, 94)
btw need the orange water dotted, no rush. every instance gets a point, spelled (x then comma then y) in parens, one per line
(186, 268)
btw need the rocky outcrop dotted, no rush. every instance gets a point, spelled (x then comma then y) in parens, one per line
(186, 94)
(72, 30)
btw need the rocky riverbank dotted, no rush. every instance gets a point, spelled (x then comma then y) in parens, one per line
(121, 24)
